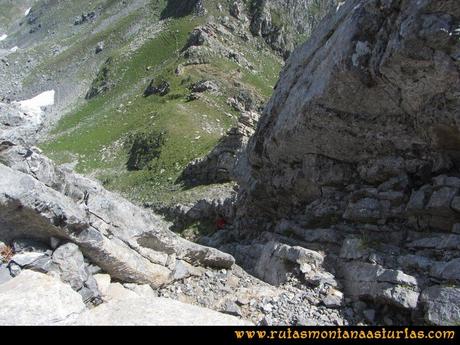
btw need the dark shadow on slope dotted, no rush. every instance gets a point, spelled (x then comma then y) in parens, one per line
(181, 8)
(144, 148)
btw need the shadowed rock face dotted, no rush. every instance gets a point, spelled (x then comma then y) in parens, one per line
(220, 165)
(373, 95)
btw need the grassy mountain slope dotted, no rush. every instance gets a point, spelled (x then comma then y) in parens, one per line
(97, 134)
(142, 40)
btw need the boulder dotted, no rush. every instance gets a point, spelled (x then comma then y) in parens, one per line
(275, 261)
(116, 291)
(15, 269)
(231, 308)
(69, 260)
(143, 290)
(197, 37)
(16, 126)
(441, 199)
(333, 298)
(388, 286)
(448, 271)
(70, 265)
(26, 259)
(103, 282)
(34, 298)
(184, 270)
(99, 47)
(415, 262)
(442, 305)
(55, 212)
(44, 264)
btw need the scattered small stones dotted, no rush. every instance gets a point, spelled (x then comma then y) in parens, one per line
(252, 299)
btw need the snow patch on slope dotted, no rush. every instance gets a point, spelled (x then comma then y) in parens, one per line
(33, 107)
(26, 13)
(3, 37)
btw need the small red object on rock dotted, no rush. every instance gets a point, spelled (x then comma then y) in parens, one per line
(220, 223)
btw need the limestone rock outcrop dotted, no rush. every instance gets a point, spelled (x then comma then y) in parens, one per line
(357, 155)
(33, 299)
(36, 299)
(220, 165)
(141, 311)
(41, 201)
(372, 96)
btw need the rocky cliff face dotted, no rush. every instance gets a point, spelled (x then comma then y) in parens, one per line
(282, 23)
(372, 96)
(357, 154)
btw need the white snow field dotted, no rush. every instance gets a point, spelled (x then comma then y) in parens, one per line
(33, 107)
